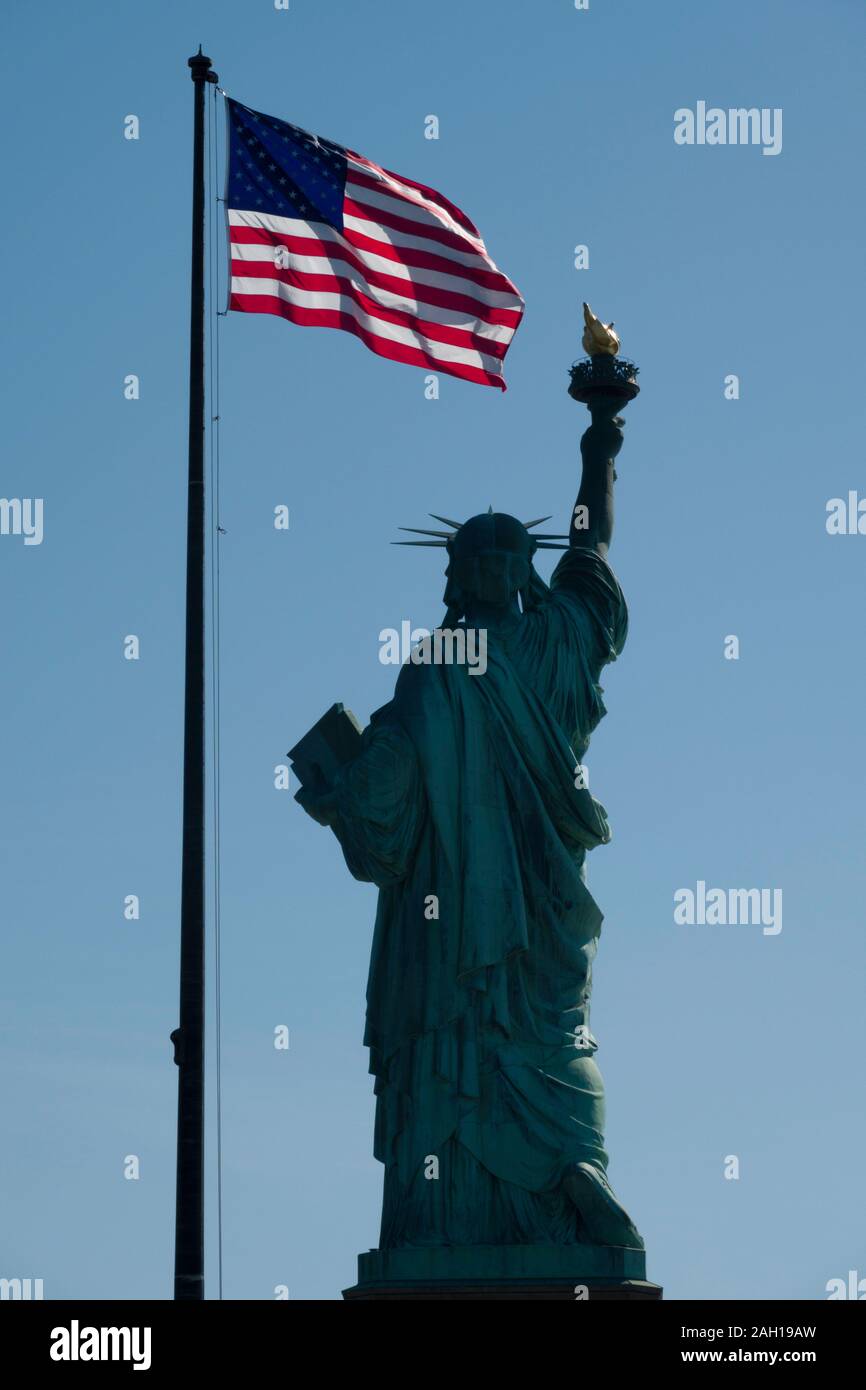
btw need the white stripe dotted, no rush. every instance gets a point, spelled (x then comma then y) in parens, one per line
(424, 213)
(286, 226)
(404, 192)
(329, 265)
(291, 226)
(398, 333)
(377, 232)
(417, 275)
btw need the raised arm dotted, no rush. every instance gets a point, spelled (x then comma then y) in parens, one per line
(592, 518)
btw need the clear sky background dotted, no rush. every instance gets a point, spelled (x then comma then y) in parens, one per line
(556, 128)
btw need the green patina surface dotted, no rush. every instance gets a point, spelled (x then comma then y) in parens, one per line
(467, 806)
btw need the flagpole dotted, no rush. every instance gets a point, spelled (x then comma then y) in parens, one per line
(189, 1037)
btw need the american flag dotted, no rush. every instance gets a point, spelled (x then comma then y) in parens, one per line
(326, 238)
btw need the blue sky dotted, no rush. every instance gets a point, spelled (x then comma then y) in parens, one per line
(556, 129)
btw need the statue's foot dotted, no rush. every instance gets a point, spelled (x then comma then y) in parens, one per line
(604, 1219)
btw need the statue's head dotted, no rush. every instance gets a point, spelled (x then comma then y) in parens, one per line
(489, 561)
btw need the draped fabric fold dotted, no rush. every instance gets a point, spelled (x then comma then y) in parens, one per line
(465, 809)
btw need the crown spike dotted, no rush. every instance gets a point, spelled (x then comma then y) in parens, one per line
(439, 544)
(537, 522)
(422, 531)
(446, 521)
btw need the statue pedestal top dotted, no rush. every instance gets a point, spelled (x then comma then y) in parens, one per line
(573, 1272)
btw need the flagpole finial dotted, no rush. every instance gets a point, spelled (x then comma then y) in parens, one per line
(202, 69)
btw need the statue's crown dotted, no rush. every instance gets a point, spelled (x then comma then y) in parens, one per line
(489, 533)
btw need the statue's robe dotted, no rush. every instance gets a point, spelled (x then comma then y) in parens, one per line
(464, 807)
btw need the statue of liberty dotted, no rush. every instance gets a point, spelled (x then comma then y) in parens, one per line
(466, 804)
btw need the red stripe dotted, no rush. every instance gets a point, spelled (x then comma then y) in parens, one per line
(408, 256)
(426, 260)
(384, 347)
(334, 251)
(339, 284)
(429, 232)
(435, 197)
(392, 218)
